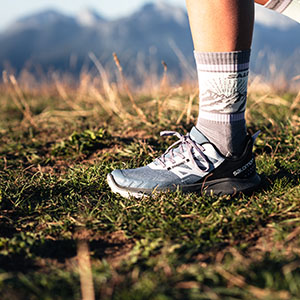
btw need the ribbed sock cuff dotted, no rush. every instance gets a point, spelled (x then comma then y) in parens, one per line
(234, 61)
(278, 5)
(221, 118)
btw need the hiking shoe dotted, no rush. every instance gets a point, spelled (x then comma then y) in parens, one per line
(195, 165)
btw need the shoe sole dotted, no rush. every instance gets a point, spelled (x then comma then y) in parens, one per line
(219, 187)
(232, 186)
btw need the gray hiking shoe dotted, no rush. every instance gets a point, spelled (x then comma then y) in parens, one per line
(195, 165)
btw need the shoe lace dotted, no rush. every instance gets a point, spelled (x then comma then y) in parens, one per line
(190, 146)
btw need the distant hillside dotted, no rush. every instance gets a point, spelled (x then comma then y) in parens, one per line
(156, 32)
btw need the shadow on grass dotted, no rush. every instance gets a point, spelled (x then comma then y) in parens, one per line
(267, 182)
(57, 250)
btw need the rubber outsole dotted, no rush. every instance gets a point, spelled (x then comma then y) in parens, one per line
(224, 186)
(232, 186)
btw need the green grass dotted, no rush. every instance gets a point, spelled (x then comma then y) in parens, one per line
(53, 192)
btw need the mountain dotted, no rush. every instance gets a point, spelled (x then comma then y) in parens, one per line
(156, 32)
(90, 18)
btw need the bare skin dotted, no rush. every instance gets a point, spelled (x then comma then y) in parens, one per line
(221, 25)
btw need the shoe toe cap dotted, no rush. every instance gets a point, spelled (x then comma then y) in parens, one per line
(124, 181)
(145, 178)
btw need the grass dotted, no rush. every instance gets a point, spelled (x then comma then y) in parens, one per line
(58, 216)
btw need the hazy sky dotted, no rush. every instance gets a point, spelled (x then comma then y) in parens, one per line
(13, 9)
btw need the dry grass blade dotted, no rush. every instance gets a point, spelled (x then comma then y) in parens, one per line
(275, 101)
(164, 80)
(186, 285)
(236, 280)
(296, 102)
(63, 94)
(259, 293)
(134, 105)
(115, 104)
(85, 270)
(18, 98)
(189, 108)
(181, 116)
(183, 61)
(251, 107)
(162, 107)
(163, 86)
(99, 98)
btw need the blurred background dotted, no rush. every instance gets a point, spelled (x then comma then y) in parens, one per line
(71, 37)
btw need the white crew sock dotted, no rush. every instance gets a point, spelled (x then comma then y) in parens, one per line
(223, 78)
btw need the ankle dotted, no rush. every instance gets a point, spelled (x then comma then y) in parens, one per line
(229, 138)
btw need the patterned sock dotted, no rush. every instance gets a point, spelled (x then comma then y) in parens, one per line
(289, 8)
(223, 79)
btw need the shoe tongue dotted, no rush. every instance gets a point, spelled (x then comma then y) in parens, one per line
(197, 136)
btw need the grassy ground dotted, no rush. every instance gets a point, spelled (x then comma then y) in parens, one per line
(60, 225)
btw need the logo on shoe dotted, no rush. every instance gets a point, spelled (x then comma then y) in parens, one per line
(243, 168)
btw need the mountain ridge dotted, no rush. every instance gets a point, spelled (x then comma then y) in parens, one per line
(147, 36)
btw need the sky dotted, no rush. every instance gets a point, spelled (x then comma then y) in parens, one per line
(14, 9)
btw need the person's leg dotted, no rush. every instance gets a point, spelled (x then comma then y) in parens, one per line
(222, 35)
(216, 155)
(289, 8)
(221, 26)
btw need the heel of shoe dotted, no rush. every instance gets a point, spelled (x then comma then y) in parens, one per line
(232, 186)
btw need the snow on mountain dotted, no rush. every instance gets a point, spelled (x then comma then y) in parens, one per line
(166, 11)
(89, 18)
